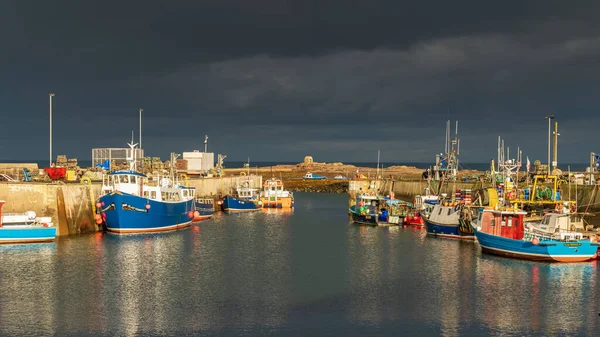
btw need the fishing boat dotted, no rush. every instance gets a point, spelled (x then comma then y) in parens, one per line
(376, 210)
(274, 196)
(131, 203)
(502, 232)
(443, 214)
(312, 176)
(340, 177)
(247, 199)
(25, 228)
(204, 209)
(447, 220)
(413, 218)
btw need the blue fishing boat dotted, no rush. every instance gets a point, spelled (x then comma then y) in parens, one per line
(131, 204)
(445, 220)
(247, 199)
(204, 209)
(502, 232)
(24, 228)
(312, 176)
(376, 210)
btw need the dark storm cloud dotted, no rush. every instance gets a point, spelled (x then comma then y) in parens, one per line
(281, 79)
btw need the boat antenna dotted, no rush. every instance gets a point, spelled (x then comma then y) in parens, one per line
(377, 164)
(132, 158)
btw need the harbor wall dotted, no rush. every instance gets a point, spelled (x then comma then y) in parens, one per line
(206, 187)
(69, 205)
(587, 196)
(72, 206)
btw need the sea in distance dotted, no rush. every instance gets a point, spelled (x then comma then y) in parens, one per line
(301, 272)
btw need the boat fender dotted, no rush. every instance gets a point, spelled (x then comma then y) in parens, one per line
(557, 208)
(242, 173)
(86, 181)
(30, 215)
(535, 241)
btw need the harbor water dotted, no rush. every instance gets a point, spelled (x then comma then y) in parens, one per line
(306, 272)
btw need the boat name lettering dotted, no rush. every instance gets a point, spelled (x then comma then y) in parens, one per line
(127, 207)
(572, 244)
(110, 207)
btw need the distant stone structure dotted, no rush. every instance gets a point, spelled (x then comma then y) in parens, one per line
(308, 160)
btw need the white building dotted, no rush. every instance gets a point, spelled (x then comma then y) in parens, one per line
(198, 162)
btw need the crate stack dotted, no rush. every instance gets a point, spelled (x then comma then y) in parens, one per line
(72, 164)
(147, 164)
(61, 160)
(157, 164)
(466, 196)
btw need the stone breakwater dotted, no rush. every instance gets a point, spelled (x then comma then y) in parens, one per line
(317, 186)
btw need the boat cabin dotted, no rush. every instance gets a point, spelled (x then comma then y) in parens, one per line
(274, 188)
(555, 222)
(504, 223)
(246, 192)
(386, 208)
(137, 184)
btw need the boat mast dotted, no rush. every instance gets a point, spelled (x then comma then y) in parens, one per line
(132, 158)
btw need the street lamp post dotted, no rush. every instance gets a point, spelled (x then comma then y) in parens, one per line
(51, 95)
(549, 117)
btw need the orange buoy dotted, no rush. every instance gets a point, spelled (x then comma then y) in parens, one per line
(147, 206)
(535, 241)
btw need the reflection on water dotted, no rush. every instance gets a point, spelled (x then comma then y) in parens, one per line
(293, 273)
(26, 305)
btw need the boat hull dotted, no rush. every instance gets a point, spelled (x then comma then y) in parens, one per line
(26, 234)
(205, 211)
(369, 220)
(448, 231)
(125, 213)
(281, 202)
(235, 205)
(551, 250)
(372, 219)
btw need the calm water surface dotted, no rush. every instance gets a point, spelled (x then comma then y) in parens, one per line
(303, 273)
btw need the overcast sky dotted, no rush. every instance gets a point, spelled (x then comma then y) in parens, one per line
(278, 80)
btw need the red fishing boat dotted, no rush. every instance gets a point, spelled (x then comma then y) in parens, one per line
(414, 218)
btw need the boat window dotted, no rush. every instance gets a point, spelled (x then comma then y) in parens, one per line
(503, 222)
(185, 193)
(509, 222)
(175, 197)
(449, 211)
(493, 222)
(440, 212)
(123, 179)
(164, 196)
(152, 194)
(132, 179)
(146, 194)
(272, 188)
